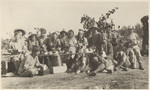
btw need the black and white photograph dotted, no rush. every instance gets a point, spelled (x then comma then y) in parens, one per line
(62, 44)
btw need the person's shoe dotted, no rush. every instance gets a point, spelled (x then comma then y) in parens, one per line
(125, 69)
(109, 71)
(141, 68)
(92, 74)
(132, 66)
(115, 69)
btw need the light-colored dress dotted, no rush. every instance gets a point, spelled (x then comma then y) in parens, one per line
(20, 45)
(30, 64)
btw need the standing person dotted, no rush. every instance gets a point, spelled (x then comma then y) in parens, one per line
(54, 48)
(133, 49)
(70, 44)
(30, 65)
(18, 49)
(42, 40)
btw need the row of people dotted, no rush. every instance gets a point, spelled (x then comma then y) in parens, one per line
(125, 54)
(103, 55)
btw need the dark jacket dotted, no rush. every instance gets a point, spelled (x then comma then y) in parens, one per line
(108, 49)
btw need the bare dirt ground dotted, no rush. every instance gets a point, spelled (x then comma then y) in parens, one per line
(131, 79)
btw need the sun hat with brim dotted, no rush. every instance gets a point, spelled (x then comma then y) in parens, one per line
(63, 32)
(20, 30)
(32, 35)
(71, 31)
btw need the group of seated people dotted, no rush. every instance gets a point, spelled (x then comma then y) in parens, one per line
(91, 53)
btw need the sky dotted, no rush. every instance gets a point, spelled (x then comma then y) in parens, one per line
(55, 16)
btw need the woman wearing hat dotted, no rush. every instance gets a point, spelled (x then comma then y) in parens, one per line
(18, 49)
(21, 32)
(19, 42)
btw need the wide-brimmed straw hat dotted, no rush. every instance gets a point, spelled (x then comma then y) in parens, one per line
(20, 30)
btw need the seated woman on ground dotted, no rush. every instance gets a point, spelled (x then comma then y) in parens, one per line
(30, 66)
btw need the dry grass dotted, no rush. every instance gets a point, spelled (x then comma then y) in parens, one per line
(132, 79)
